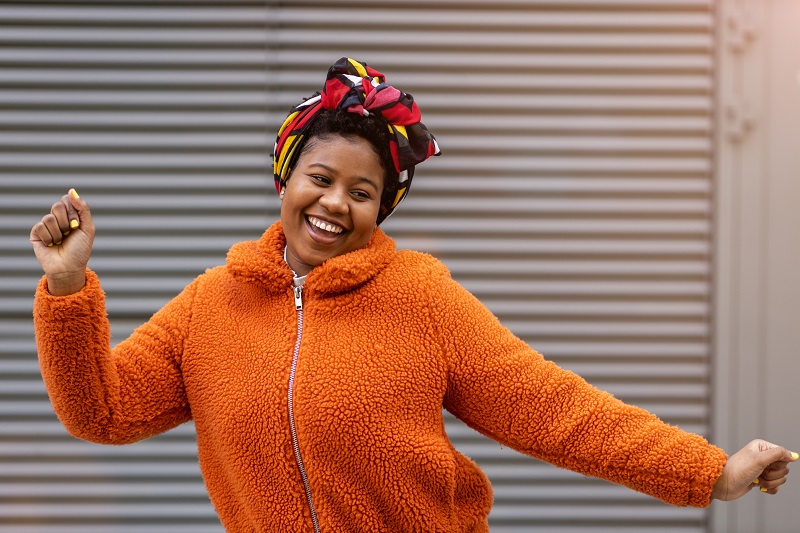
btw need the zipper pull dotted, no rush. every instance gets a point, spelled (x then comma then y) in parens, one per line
(298, 298)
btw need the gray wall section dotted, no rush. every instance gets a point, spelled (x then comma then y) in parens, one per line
(757, 271)
(573, 199)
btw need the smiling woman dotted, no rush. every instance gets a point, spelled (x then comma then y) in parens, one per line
(331, 203)
(388, 119)
(316, 363)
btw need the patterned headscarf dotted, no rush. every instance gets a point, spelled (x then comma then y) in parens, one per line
(354, 87)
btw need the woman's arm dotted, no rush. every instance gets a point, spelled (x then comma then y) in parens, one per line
(504, 389)
(109, 396)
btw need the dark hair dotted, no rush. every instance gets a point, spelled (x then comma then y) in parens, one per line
(374, 130)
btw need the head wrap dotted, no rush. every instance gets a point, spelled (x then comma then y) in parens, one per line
(354, 87)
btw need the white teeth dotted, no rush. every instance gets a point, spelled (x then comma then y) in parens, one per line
(327, 227)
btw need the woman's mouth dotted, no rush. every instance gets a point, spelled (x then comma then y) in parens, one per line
(321, 231)
(325, 226)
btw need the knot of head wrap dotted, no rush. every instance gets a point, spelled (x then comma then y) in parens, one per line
(354, 87)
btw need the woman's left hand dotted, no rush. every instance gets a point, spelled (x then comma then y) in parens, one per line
(759, 464)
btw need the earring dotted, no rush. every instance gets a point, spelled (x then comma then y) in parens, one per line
(283, 192)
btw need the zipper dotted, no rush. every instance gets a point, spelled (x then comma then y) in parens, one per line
(298, 305)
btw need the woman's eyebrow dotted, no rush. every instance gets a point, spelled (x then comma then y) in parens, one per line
(323, 165)
(363, 179)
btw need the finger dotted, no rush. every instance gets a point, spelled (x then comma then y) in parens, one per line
(84, 215)
(40, 235)
(767, 486)
(51, 225)
(59, 210)
(778, 465)
(770, 475)
(72, 212)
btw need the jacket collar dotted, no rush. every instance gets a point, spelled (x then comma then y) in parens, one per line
(262, 262)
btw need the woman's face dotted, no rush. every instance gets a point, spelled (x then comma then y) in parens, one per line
(331, 200)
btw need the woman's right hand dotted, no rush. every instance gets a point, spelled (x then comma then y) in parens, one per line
(62, 242)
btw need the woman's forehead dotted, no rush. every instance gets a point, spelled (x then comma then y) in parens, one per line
(346, 155)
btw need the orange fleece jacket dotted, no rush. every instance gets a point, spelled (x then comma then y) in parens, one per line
(388, 339)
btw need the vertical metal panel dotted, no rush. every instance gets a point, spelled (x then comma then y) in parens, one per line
(573, 199)
(757, 270)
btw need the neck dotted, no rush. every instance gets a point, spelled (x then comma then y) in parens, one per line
(299, 268)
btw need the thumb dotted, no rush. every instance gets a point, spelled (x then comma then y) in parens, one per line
(81, 209)
(768, 453)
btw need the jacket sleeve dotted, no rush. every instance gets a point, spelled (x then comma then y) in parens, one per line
(502, 388)
(104, 395)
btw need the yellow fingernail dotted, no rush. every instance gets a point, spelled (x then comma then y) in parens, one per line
(763, 489)
(59, 242)
(755, 482)
(74, 224)
(74, 193)
(50, 245)
(795, 456)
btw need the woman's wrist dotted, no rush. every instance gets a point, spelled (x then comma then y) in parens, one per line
(66, 283)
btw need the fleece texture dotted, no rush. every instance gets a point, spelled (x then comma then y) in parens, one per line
(388, 340)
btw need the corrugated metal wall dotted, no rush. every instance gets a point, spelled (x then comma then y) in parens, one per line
(573, 199)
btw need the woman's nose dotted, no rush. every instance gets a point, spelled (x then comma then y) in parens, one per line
(334, 200)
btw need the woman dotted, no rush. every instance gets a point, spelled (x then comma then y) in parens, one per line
(316, 362)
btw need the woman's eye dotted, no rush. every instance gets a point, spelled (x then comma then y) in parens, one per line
(321, 179)
(361, 194)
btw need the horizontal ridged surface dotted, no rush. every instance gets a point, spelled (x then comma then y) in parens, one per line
(573, 199)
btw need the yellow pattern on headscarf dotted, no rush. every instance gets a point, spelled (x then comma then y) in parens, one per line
(399, 196)
(399, 129)
(359, 67)
(288, 121)
(286, 155)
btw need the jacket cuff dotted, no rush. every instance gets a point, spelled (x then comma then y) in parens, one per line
(709, 469)
(66, 308)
